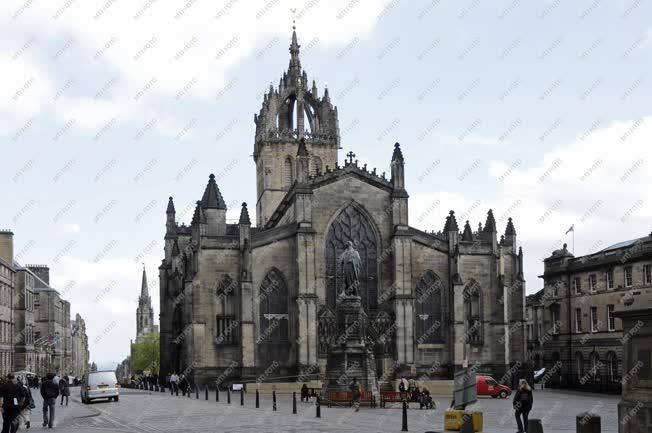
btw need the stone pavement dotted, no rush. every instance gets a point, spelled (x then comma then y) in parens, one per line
(141, 411)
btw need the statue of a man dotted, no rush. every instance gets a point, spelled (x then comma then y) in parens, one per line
(350, 263)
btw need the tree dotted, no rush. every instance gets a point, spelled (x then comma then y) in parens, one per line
(146, 354)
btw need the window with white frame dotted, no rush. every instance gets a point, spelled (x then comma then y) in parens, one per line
(577, 285)
(594, 319)
(647, 274)
(628, 276)
(610, 279)
(611, 320)
(593, 283)
(578, 320)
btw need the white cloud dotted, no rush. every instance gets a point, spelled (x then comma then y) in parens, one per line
(69, 228)
(599, 182)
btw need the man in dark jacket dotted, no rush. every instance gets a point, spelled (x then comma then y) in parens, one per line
(12, 397)
(49, 392)
(64, 389)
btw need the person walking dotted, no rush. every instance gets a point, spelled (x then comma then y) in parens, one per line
(12, 397)
(26, 408)
(174, 379)
(355, 394)
(64, 389)
(523, 400)
(49, 392)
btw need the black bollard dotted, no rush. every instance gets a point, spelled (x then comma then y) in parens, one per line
(228, 395)
(171, 390)
(534, 425)
(587, 422)
(294, 403)
(177, 390)
(197, 392)
(217, 393)
(274, 400)
(206, 392)
(257, 400)
(404, 426)
(318, 407)
(242, 396)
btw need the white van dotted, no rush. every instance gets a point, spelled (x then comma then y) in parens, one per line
(99, 384)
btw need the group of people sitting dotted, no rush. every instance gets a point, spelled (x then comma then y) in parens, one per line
(410, 392)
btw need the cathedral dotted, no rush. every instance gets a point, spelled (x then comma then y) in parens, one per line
(332, 281)
(145, 312)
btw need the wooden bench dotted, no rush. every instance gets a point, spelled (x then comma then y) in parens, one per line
(392, 397)
(345, 397)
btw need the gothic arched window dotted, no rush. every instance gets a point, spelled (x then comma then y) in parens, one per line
(428, 308)
(352, 225)
(226, 319)
(473, 312)
(273, 298)
(287, 172)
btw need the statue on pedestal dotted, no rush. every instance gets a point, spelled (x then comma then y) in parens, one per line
(350, 263)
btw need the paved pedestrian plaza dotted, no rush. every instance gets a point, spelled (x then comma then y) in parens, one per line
(142, 411)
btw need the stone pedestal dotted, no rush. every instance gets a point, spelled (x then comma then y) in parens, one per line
(350, 354)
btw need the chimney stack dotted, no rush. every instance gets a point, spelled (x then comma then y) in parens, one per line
(7, 246)
(41, 271)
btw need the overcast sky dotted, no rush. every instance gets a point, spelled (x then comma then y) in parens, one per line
(539, 110)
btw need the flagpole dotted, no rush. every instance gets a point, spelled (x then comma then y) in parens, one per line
(573, 240)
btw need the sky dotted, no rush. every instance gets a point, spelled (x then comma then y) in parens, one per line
(538, 110)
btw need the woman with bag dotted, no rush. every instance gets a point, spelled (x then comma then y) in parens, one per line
(523, 400)
(64, 389)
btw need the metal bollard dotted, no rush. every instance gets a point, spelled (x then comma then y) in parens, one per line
(257, 400)
(177, 390)
(274, 400)
(587, 422)
(217, 393)
(228, 395)
(318, 407)
(197, 392)
(242, 397)
(206, 392)
(404, 426)
(294, 403)
(534, 425)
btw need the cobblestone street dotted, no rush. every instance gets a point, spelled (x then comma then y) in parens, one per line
(140, 411)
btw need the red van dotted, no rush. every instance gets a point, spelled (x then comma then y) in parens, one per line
(487, 385)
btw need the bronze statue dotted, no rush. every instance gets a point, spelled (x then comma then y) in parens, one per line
(350, 263)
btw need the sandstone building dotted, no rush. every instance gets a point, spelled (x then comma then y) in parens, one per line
(570, 322)
(239, 300)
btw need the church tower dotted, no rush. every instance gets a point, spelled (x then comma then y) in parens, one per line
(291, 112)
(144, 312)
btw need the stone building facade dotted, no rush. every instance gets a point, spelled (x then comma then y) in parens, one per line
(36, 333)
(570, 322)
(79, 358)
(241, 301)
(145, 312)
(7, 282)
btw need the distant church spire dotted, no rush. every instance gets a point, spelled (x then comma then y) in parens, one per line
(144, 292)
(294, 50)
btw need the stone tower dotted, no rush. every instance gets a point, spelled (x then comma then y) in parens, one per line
(144, 312)
(291, 112)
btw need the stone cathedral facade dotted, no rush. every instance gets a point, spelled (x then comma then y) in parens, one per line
(239, 300)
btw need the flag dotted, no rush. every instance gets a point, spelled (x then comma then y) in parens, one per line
(571, 229)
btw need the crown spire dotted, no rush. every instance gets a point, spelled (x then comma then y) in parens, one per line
(294, 49)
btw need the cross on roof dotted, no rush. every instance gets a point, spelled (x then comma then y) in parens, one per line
(351, 155)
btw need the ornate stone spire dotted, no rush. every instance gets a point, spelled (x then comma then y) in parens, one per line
(212, 198)
(509, 230)
(451, 223)
(490, 225)
(295, 62)
(244, 215)
(144, 292)
(170, 208)
(467, 235)
(397, 155)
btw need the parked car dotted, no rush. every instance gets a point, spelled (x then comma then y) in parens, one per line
(99, 384)
(487, 385)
